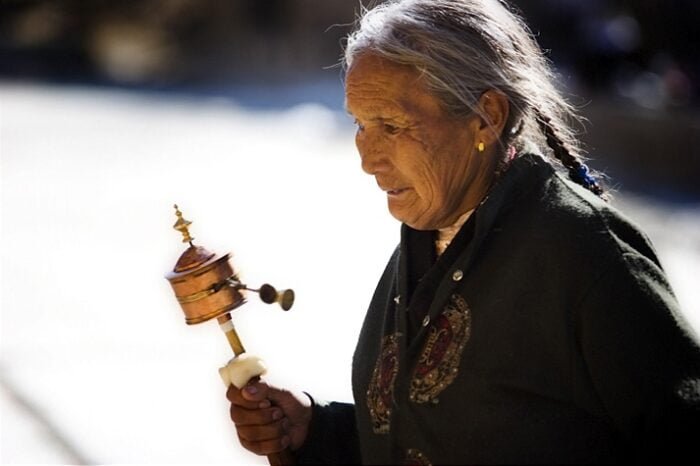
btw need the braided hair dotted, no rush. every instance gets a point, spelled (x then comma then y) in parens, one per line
(466, 47)
(578, 171)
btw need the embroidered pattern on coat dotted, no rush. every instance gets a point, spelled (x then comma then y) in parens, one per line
(438, 364)
(380, 393)
(417, 458)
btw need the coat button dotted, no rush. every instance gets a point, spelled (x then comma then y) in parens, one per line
(426, 321)
(457, 275)
(397, 298)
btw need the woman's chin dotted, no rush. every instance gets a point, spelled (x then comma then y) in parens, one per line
(412, 221)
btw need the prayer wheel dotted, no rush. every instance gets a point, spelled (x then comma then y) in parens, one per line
(206, 286)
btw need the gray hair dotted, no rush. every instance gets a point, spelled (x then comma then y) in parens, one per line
(466, 47)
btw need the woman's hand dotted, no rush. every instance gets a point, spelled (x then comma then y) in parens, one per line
(269, 419)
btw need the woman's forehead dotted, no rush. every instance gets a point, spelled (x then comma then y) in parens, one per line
(369, 70)
(376, 85)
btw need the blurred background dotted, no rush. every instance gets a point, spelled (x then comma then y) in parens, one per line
(112, 111)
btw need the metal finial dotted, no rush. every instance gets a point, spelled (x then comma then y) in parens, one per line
(182, 225)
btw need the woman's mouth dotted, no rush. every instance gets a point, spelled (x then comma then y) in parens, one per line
(396, 192)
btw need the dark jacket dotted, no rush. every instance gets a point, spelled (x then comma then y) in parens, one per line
(546, 333)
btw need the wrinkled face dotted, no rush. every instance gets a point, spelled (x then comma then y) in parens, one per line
(422, 157)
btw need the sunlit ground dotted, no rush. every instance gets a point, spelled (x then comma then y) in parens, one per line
(97, 362)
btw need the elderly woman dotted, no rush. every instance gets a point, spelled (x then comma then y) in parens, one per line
(521, 318)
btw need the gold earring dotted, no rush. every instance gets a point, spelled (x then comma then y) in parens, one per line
(480, 147)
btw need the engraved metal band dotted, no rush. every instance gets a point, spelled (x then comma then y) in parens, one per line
(190, 298)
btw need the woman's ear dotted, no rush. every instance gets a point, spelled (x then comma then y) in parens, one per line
(495, 109)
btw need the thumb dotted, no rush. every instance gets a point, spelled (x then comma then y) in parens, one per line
(255, 390)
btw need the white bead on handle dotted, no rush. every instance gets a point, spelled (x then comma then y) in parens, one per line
(241, 369)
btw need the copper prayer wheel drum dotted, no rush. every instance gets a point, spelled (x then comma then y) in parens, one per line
(201, 284)
(202, 280)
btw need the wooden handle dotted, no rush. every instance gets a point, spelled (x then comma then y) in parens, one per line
(283, 458)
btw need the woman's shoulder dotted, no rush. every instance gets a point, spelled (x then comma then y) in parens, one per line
(572, 221)
(573, 208)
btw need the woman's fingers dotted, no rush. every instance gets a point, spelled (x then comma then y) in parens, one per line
(269, 419)
(255, 417)
(262, 428)
(261, 433)
(265, 447)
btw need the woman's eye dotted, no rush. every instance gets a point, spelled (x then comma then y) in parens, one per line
(360, 126)
(391, 129)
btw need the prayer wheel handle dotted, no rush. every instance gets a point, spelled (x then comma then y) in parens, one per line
(283, 458)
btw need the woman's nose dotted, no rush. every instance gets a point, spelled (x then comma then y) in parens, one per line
(373, 156)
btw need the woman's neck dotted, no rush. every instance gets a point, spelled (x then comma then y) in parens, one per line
(447, 234)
